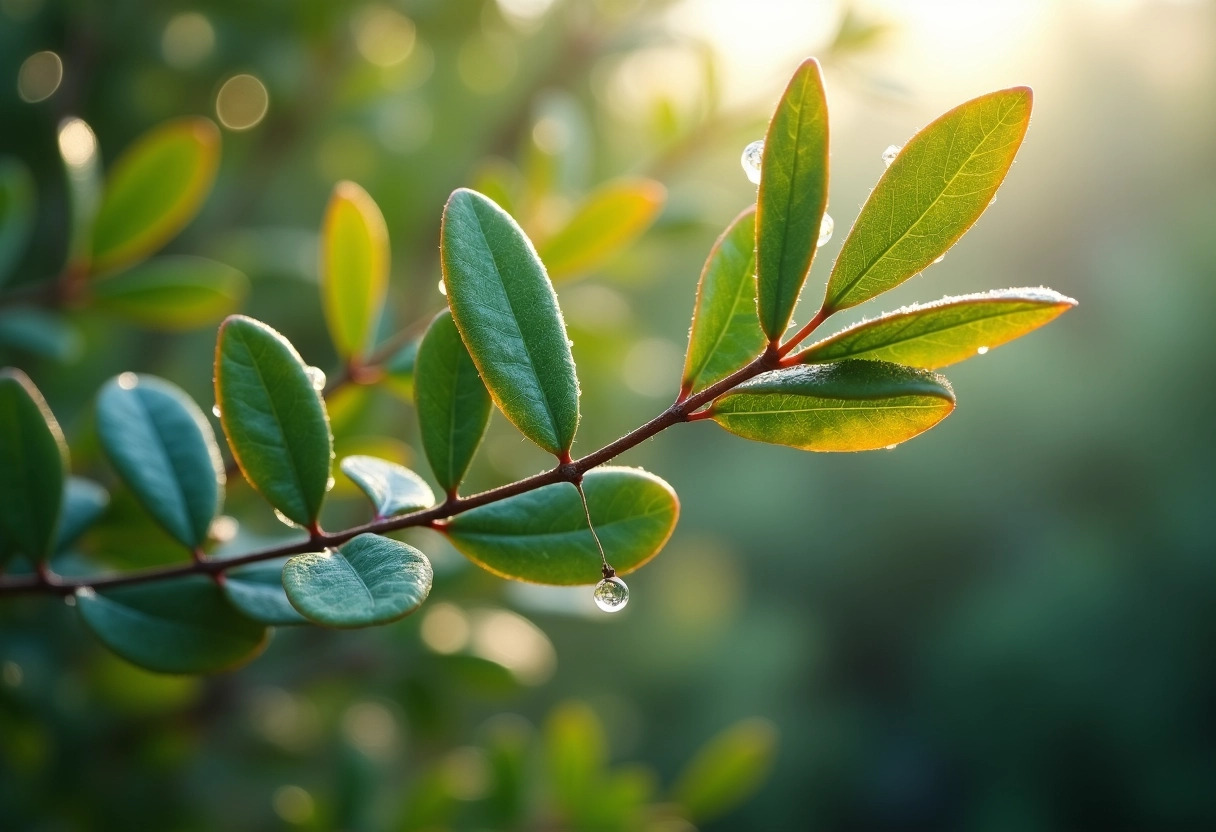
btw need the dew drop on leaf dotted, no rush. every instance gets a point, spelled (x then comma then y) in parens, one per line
(826, 226)
(611, 594)
(939, 259)
(286, 521)
(982, 351)
(892, 447)
(316, 376)
(753, 155)
(215, 410)
(443, 289)
(888, 155)
(329, 484)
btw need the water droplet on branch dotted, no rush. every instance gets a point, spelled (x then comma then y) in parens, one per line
(752, 157)
(826, 226)
(611, 594)
(888, 155)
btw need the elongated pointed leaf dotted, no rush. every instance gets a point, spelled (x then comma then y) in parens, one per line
(846, 406)
(17, 202)
(542, 536)
(507, 314)
(154, 190)
(354, 268)
(727, 770)
(163, 448)
(84, 501)
(944, 332)
(369, 580)
(184, 625)
(725, 333)
(937, 187)
(33, 467)
(273, 417)
(452, 402)
(607, 221)
(792, 198)
(393, 489)
(173, 293)
(257, 592)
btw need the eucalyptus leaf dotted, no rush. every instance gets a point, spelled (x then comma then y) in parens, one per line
(507, 313)
(354, 268)
(84, 501)
(18, 199)
(607, 221)
(256, 590)
(393, 489)
(172, 292)
(846, 406)
(33, 468)
(369, 580)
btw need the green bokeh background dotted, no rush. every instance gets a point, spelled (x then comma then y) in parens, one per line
(1003, 625)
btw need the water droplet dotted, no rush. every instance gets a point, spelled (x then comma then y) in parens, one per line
(991, 202)
(982, 351)
(752, 156)
(826, 226)
(443, 289)
(892, 447)
(611, 594)
(939, 259)
(329, 484)
(888, 155)
(317, 376)
(215, 410)
(286, 521)
(128, 381)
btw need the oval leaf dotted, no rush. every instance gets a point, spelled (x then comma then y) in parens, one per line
(727, 770)
(507, 314)
(792, 198)
(944, 332)
(369, 580)
(17, 201)
(184, 625)
(163, 448)
(542, 536)
(257, 592)
(84, 501)
(354, 268)
(392, 488)
(608, 220)
(452, 402)
(725, 332)
(937, 187)
(273, 418)
(173, 293)
(33, 467)
(154, 190)
(847, 406)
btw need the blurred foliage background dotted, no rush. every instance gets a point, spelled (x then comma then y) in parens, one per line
(1004, 625)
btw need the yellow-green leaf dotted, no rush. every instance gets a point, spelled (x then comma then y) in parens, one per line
(607, 221)
(727, 770)
(354, 268)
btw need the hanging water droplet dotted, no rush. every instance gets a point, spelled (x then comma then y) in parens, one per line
(982, 351)
(826, 226)
(752, 156)
(286, 521)
(939, 259)
(215, 410)
(330, 483)
(888, 155)
(317, 376)
(443, 288)
(611, 594)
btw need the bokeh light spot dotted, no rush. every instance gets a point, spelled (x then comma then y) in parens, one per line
(187, 40)
(77, 144)
(445, 628)
(40, 75)
(384, 36)
(241, 102)
(293, 804)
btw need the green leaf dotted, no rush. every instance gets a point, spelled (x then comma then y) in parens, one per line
(163, 448)
(354, 268)
(944, 332)
(41, 333)
(184, 625)
(173, 293)
(792, 198)
(33, 467)
(273, 417)
(452, 402)
(575, 754)
(607, 221)
(154, 190)
(937, 187)
(393, 489)
(369, 580)
(727, 770)
(399, 370)
(84, 501)
(507, 314)
(846, 406)
(17, 203)
(542, 536)
(725, 332)
(257, 592)
(82, 177)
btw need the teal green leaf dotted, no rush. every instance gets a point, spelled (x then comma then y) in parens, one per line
(792, 198)
(938, 334)
(542, 536)
(452, 402)
(354, 268)
(17, 202)
(257, 592)
(183, 625)
(370, 580)
(725, 333)
(84, 501)
(727, 770)
(846, 406)
(82, 177)
(33, 467)
(163, 448)
(173, 292)
(937, 187)
(507, 314)
(608, 220)
(154, 189)
(40, 332)
(274, 419)
(393, 489)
